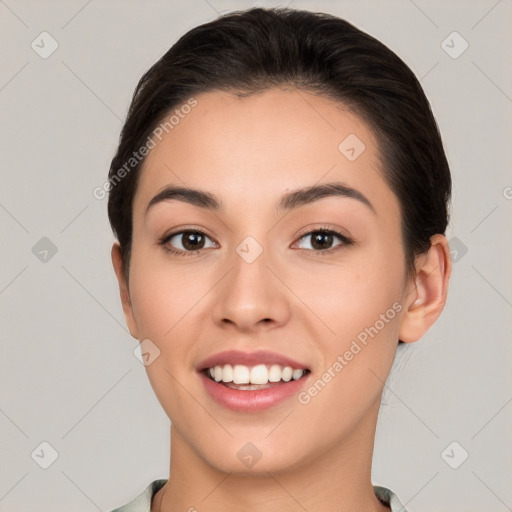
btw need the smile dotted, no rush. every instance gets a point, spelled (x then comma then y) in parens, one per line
(261, 376)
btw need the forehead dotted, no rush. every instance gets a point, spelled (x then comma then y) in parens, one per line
(260, 146)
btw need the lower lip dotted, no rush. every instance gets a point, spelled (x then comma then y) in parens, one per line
(253, 400)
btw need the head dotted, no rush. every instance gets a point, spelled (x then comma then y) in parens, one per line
(290, 123)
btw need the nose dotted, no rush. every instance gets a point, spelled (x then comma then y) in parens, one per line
(251, 298)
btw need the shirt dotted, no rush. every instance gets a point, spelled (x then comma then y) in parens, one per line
(142, 503)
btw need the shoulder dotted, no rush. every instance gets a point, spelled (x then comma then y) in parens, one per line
(388, 497)
(142, 503)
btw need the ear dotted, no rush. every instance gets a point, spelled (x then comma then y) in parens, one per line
(117, 262)
(427, 296)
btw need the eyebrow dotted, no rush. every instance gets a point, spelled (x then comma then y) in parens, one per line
(292, 200)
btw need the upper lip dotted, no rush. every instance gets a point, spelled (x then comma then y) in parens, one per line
(249, 359)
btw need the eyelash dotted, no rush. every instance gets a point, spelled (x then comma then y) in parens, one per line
(325, 230)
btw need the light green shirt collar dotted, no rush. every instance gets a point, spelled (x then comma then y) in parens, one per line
(142, 503)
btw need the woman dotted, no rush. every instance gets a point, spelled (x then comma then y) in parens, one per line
(279, 197)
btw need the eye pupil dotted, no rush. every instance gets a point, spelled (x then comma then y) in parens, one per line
(193, 240)
(322, 240)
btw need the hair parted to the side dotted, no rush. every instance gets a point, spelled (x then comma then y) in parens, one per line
(245, 52)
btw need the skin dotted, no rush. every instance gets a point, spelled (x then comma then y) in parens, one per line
(292, 300)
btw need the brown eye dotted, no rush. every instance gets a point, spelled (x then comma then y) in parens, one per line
(322, 240)
(192, 240)
(187, 241)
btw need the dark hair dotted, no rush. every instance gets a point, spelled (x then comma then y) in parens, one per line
(244, 52)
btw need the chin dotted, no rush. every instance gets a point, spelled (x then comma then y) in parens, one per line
(245, 459)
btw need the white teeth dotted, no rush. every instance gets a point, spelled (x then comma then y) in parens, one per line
(259, 374)
(274, 374)
(240, 374)
(297, 374)
(287, 374)
(227, 373)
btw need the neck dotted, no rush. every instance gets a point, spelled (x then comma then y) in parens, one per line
(339, 479)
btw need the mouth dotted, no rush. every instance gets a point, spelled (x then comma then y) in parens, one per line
(251, 378)
(252, 382)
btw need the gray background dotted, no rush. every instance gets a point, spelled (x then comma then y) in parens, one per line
(68, 373)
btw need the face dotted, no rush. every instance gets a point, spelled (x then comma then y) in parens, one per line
(318, 278)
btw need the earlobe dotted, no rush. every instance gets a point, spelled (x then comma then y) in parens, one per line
(117, 262)
(428, 297)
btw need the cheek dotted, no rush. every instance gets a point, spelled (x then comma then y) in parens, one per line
(359, 306)
(162, 294)
(353, 293)
(358, 336)
(163, 299)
